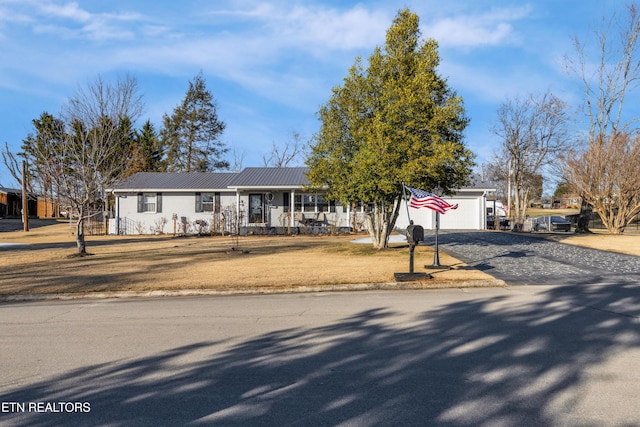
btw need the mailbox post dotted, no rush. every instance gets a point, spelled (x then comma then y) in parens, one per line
(415, 234)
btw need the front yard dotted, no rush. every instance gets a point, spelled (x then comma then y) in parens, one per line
(261, 263)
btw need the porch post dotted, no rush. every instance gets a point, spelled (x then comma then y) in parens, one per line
(238, 210)
(291, 206)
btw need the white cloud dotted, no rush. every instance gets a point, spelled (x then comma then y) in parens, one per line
(69, 11)
(311, 26)
(329, 28)
(69, 20)
(491, 28)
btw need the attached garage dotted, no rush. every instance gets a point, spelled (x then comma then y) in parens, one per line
(466, 217)
(471, 213)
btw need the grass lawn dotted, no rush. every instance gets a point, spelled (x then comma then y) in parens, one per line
(45, 264)
(533, 212)
(262, 263)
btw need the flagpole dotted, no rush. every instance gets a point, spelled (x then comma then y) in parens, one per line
(436, 256)
(406, 202)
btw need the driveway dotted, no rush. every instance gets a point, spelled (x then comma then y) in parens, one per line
(521, 259)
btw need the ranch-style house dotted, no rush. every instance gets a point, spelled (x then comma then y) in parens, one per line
(260, 200)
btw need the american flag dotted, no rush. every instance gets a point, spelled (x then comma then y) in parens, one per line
(424, 199)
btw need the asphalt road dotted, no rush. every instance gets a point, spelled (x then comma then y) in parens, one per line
(543, 356)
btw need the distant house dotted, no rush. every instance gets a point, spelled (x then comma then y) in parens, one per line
(11, 203)
(255, 200)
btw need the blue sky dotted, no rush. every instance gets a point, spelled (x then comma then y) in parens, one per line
(271, 64)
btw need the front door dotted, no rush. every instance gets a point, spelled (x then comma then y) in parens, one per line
(256, 208)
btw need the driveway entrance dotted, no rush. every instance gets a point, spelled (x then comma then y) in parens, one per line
(520, 259)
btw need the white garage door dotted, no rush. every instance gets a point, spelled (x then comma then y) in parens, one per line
(466, 217)
(423, 217)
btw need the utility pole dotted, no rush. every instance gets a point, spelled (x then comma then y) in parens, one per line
(509, 193)
(25, 201)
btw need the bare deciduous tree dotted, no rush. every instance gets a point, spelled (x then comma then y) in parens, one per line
(85, 151)
(533, 133)
(12, 163)
(607, 177)
(282, 156)
(237, 158)
(607, 85)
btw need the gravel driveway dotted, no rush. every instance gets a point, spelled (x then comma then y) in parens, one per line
(520, 259)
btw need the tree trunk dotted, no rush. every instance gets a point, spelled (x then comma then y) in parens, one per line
(377, 227)
(381, 221)
(582, 226)
(82, 247)
(613, 220)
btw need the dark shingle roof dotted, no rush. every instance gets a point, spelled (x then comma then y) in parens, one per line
(476, 181)
(255, 177)
(271, 177)
(199, 181)
(10, 190)
(177, 181)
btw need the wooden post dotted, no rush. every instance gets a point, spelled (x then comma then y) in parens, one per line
(25, 201)
(175, 218)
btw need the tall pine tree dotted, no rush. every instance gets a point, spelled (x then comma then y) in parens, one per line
(192, 133)
(149, 151)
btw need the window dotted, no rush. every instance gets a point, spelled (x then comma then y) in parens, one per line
(309, 202)
(286, 202)
(256, 208)
(207, 202)
(150, 202)
(325, 205)
(313, 203)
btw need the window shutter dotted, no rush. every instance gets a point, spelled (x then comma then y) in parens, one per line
(158, 202)
(198, 202)
(140, 202)
(217, 203)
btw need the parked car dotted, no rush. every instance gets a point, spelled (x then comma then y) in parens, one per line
(549, 223)
(503, 223)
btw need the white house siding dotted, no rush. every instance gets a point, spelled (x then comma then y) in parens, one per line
(180, 204)
(235, 189)
(422, 217)
(468, 216)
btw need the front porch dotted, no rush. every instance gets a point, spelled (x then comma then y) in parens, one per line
(263, 230)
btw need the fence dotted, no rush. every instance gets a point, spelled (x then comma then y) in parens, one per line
(95, 224)
(595, 222)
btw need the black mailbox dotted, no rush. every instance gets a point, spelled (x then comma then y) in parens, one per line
(415, 234)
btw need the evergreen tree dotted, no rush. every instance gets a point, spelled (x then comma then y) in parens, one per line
(149, 151)
(192, 133)
(395, 122)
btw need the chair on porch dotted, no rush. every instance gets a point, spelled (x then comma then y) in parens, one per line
(321, 219)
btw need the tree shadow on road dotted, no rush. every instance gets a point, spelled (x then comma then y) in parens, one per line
(478, 362)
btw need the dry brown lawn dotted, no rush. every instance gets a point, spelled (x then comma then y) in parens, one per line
(628, 243)
(44, 264)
